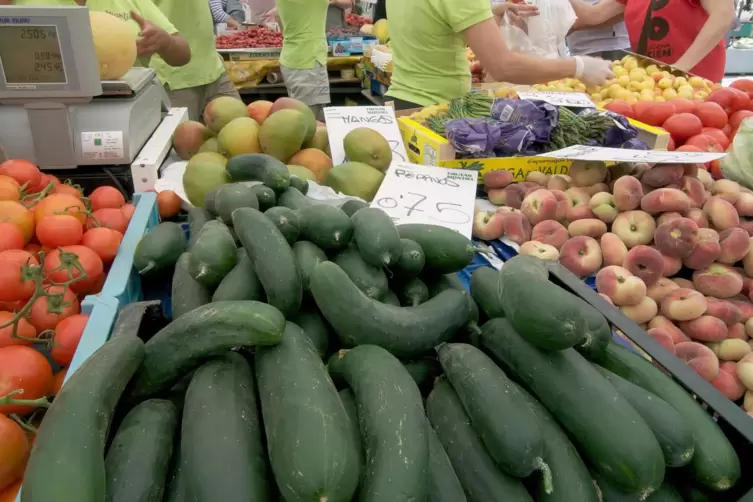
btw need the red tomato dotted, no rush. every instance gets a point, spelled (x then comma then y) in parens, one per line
(9, 188)
(67, 189)
(128, 210)
(16, 213)
(95, 288)
(106, 196)
(103, 241)
(744, 85)
(729, 99)
(46, 179)
(23, 368)
(67, 335)
(59, 230)
(10, 493)
(110, 218)
(14, 452)
(87, 258)
(689, 148)
(57, 383)
(728, 131)
(741, 101)
(33, 248)
(704, 142)
(683, 126)
(736, 118)
(718, 135)
(715, 169)
(684, 105)
(712, 115)
(12, 287)
(11, 236)
(168, 203)
(23, 171)
(59, 203)
(621, 107)
(23, 329)
(46, 313)
(12, 306)
(654, 114)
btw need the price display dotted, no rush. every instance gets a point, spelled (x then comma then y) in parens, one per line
(571, 99)
(31, 55)
(343, 119)
(580, 152)
(422, 194)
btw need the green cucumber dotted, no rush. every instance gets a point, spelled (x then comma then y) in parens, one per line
(369, 279)
(444, 485)
(316, 328)
(303, 417)
(665, 493)
(299, 184)
(159, 249)
(265, 196)
(138, 459)
(392, 424)
(413, 293)
(424, 371)
(326, 226)
(352, 205)
(349, 403)
(411, 261)
(566, 321)
(259, 167)
(197, 217)
(376, 237)
(485, 292)
(500, 417)
(480, 477)
(175, 490)
(292, 198)
(286, 222)
(611, 435)
(445, 250)
(231, 197)
(201, 333)
(273, 259)
(187, 293)
(570, 477)
(221, 447)
(404, 331)
(76, 427)
(674, 434)
(241, 283)
(390, 298)
(213, 255)
(452, 281)
(715, 464)
(307, 256)
(610, 493)
(210, 197)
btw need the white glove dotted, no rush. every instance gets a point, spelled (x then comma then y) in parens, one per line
(592, 71)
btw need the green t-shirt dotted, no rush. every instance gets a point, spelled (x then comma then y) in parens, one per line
(429, 62)
(303, 27)
(193, 20)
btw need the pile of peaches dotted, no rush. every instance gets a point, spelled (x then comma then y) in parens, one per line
(669, 246)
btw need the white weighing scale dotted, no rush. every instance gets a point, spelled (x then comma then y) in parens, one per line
(55, 111)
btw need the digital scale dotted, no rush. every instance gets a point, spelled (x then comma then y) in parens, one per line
(55, 111)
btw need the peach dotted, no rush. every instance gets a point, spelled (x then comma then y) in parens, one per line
(663, 175)
(691, 169)
(728, 383)
(579, 213)
(746, 309)
(705, 329)
(597, 188)
(698, 216)
(488, 225)
(746, 225)
(733, 349)
(744, 205)
(589, 226)
(563, 204)
(748, 399)
(528, 186)
(663, 338)
(658, 290)
(734, 245)
(667, 217)
(726, 189)
(581, 255)
(665, 199)
(664, 324)
(622, 287)
(587, 172)
(539, 205)
(628, 193)
(721, 213)
(641, 313)
(602, 205)
(537, 177)
(700, 359)
(539, 250)
(606, 299)
(497, 196)
(694, 190)
(497, 179)
(634, 228)
(748, 327)
(672, 265)
(737, 331)
(748, 259)
(620, 169)
(613, 250)
(705, 178)
(720, 281)
(640, 169)
(558, 182)
(745, 371)
(724, 310)
(578, 196)
(645, 262)
(683, 305)
(550, 232)
(706, 252)
(677, 238)
(683, 283)
(517, 227)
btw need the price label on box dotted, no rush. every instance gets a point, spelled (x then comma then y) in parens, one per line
(571, 99)
(433, 195)
(580, 152)
(343, 119)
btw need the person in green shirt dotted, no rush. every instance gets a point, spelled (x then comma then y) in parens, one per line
(303, 61)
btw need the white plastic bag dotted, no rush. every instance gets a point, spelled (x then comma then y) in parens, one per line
(542, 35)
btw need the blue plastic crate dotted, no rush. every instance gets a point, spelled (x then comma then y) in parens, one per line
(102, 311)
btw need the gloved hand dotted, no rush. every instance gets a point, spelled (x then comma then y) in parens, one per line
(592, 71)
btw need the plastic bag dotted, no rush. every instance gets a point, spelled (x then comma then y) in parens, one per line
(542, 35)
(738, 164)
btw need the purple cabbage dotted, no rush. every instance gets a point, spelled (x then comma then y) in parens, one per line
(539, 117)
(489, 138)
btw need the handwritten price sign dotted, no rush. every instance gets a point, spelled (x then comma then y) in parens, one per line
(422, 194)
(343, 119)
(571, 99)
(580, 152)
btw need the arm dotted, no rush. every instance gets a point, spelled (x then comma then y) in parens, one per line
(721, 16)
(154, 39)
(342, 4)
(603, 13)
(218, 13)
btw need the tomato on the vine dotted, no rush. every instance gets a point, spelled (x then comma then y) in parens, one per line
(110, 218)
(67, 335)
(23, 329)
(106, 196)
(11, 236)
(59, 230)
(15, 212)
(103, 241)
(59, 203)
(9, 188)
(10, 493)
(23, 171)
(25, 369)
(12, 286)
(87, 258)
(57, 383)
(14, 452)
(65, 188)
(43, 318)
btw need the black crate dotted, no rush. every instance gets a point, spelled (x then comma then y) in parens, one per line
(735, 423)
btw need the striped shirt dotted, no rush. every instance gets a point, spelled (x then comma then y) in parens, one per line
(219, 13)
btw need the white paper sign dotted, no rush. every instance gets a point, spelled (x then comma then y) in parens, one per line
(573, 99)
(579, 152)
(343, 119)
(423, 194)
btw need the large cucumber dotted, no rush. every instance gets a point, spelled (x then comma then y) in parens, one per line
(500, 417)
(404, 331)
(485, 292)
(307, 256)
(197, 217)
(213, 255)
(241, 283)
(452, 281)
(424, 371)
(445, 250)
(715, 463)
(231, 197)
(376, 237)
(369, 279)
(221, 450)
(351, 206)
(286, 222)
(413, 293)
(259, 167)
(349, 403)
(411, 261)
(159, 249)
(480, 477)
(292, 198)
(138, 459)
(303, 417)
(273, 259)
(392, 424)
(187, 292)
(76, 427)
(265, 196)
(326, 226)
(199, 334)
(608, 431)
(674, 434)
(444, 485)
(316, 328)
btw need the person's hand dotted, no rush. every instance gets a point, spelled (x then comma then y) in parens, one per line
(593, 71)
(516, 11)
(152, 39)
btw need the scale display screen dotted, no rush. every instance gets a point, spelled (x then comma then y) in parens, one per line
(31, 55)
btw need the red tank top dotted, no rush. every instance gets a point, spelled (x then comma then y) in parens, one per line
(670, 28)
